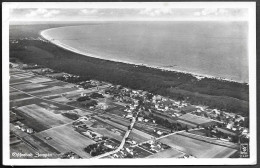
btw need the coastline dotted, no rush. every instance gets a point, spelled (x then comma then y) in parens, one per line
(198, 76)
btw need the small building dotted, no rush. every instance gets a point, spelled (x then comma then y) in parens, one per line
(129, 115)
(140, 118)
(159, 132)
(29, 130)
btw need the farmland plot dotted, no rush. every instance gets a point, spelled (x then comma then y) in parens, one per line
(197, 148)
(28, 86)
(39, 80)
(168, 153)
(65, 139)
(18, 95)
(44, 116)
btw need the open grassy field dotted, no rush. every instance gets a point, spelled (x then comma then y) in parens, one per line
(20, 148)
(39, 80)
(43, 115)
(36, 89)
(168, 153)
(197, 148)
(18, 95)
(40, 145)
(55, 82)
(28, 86)
(139, 136)
(65, 139)
(108, 133)
(15, 81)
(40, 102)
(11, 90)
(117, 110)
(81, 112)
(61, 99)
(201, 132)
(106, 129)
(52, 90)
(194, 119)
(49, 88)
(22, 75)
(140, 153)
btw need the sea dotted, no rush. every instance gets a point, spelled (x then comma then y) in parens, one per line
(207, 48)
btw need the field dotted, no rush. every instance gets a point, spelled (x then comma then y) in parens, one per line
(28, 86)
(18, 95)
(135, 134)
(37, 101)
(140, 153)
(168, 153)
(117, 110)
(197, 120)
(106, 129)
(139, 136)
(44, 116)
(197, 148)
(20, 147)
(65, 139)
(40, 145)
(198, 132)
(108, 133)
(39, 80)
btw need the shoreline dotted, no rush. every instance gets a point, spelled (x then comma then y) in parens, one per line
(198, 76)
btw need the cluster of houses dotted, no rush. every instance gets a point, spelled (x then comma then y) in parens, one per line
(89, 84)
(70, 155)
(12, 41)
(230, 121)
(124, 153)
(154, 146)
(81, 127)
(23, 127)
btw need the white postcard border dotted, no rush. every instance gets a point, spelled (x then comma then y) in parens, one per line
(252, 85)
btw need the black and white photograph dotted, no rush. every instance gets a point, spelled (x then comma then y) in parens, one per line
(129, 83)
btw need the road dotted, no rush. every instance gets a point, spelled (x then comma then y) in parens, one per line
(122, 142)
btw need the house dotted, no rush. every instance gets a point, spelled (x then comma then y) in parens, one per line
(29, 130)
(83, 118)
(129, 151)
(159, 132)
(115, 156)
(129, 115)
(227, 131)
(140, 118)
(83, 94)
(109, 146)
(230, 125)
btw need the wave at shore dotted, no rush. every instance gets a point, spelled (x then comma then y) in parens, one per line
(199, 76)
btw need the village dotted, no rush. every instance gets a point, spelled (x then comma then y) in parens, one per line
(103, 112)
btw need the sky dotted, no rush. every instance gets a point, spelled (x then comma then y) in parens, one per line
(125, 14)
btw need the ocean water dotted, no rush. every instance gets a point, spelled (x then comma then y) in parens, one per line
(216, 49)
